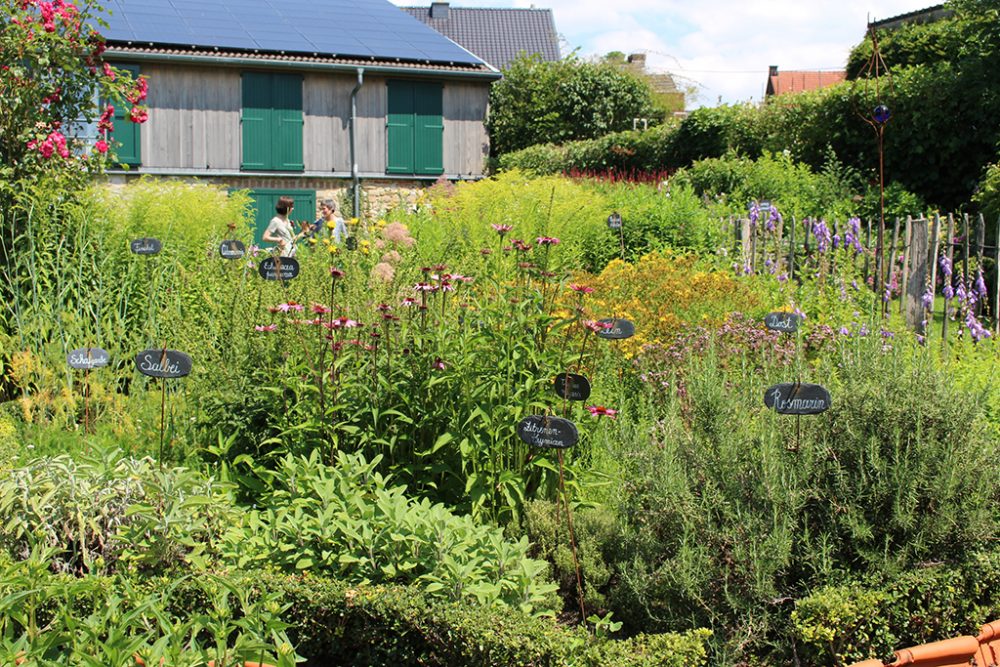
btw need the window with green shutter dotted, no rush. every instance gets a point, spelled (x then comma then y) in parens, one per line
(272, 122)
(414, 128)
(126, 133)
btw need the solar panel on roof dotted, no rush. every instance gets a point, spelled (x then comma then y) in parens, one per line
(346, 27)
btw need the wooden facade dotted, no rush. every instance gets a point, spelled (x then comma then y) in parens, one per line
(195, 112)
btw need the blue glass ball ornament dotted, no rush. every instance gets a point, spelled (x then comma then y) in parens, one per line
(881, 114)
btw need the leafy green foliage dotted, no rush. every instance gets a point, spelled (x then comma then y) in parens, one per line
(559, 101)
(347, 521)
(109, 513)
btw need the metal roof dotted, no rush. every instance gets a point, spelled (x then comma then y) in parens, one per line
(497, 36)
(373, 29)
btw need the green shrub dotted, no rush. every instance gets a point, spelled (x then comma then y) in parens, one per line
(731, 509)
(105, 513)
(348, 521)
(331, 622)
(842, 623)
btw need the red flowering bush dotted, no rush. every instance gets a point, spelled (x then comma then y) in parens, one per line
(52, 73)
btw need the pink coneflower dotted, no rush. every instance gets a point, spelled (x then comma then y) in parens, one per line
(438, 364)
(525, 265)
(336, 273)
(596, 327)
(601, 411)
(457, 277)
(520, 245)
(383, 307)
(320, 309)
(547, 240)
(409, 301)
(446, 286)
(440, 267)
(265, 327)
(502, 229)
(425, 287)
(342, 322)
(582, 289)
(485, 251)
(290, 306)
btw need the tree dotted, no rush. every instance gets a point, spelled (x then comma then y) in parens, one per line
(552, 102)
(52, 75)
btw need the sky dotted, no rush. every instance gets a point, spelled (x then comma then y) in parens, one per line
(723, 48)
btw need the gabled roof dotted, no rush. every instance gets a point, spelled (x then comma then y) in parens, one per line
(497, 36)
(373, 30)
(779, 83)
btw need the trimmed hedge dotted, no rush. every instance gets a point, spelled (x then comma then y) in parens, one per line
(840, 624)
(336, 623)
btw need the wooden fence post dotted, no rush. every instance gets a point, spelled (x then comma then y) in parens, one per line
(744, 243)
(915, 268)
(908, 239)
(948, 280)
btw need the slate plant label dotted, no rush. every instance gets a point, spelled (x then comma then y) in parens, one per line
(765, 206)
(160, 363)
(88, 357)
(788, 322)
(616, 329)
(269, 268)
(792, 398)
(232, 249)
(351, 243)
(146, 246)
(548, 432)
(578, 387)
(614, 221)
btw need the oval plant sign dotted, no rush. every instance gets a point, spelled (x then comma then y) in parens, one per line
(548, 431)
(160, 363)
(788, 322)
(351, 243)
(232, 249)
(572, 387)
(615, 329)
(614, 221)
(146, 246)
(792, 398)
(88, 357)
(274, 268)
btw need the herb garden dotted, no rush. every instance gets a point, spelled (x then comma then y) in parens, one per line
(530, 420)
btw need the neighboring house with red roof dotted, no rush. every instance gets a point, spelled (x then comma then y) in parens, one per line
(497, 36)
(780, 83)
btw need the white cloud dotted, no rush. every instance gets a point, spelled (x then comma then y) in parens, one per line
(726, 46)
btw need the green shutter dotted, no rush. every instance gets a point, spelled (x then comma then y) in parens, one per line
(415, 128)
(272, 121)
(428, 129)
(126, 133)
(399, 128)
(256, 121)
(286, 148)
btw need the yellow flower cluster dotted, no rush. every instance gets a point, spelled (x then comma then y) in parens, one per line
(661, 294)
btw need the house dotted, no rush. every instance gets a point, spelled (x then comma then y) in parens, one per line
(497, 36)
(664, 88)
(306, 98)
(780, 83)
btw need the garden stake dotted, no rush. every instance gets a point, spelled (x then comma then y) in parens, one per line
(572, 539)
(996, 291)
(791, 250)
(980, 242)
(163, 404)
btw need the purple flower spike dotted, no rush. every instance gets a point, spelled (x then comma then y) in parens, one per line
(945, 266)
(927, 299)
(980, 285)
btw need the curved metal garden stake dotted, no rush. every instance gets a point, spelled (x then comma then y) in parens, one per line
(163, 403)
(572, 538)
(877, 119)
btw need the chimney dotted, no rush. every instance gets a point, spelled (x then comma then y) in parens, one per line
(638, 59)
(773, 70)
(439, 10)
